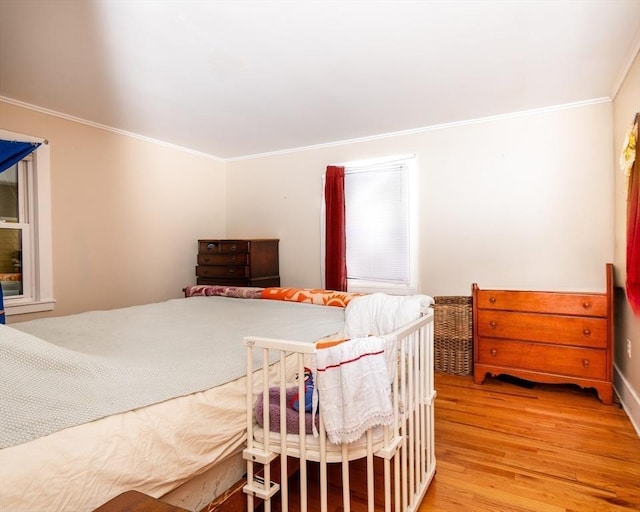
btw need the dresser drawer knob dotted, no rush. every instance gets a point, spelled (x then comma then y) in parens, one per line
(493, 324)
(230, 270)
(492, 300)
(211, 247)
(234, 247)
(586, 332)
(493, 351)
(585, 363)
(586, 305)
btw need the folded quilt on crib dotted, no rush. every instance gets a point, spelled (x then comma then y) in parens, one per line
(378, 313)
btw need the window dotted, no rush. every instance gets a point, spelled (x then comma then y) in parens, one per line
(380, 225)
(25, 232)
(15, 229)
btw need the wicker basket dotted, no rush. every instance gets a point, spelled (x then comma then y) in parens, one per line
(453, 335)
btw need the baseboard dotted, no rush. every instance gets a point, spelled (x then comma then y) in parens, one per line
(629, 399)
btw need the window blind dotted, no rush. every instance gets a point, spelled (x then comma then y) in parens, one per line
(377, 222)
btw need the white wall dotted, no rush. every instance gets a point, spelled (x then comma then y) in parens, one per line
(627, 369)
(126, 213)
(520, 202)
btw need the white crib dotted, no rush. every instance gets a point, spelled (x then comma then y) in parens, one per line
(405, 448)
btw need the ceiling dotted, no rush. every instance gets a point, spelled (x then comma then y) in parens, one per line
(239, 78)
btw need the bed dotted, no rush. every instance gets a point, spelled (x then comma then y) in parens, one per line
(174, 427)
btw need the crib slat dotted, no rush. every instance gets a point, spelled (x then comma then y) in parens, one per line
(284, 470)
(302, 429)
(323, 466)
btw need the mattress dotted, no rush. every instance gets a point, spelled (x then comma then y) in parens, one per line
(156, 447)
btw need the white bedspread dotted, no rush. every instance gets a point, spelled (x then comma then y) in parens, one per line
(100, 363)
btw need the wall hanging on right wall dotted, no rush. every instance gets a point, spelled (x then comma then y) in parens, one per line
(629, 165)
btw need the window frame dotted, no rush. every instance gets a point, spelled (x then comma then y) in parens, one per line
(38, 282)
(364, 286)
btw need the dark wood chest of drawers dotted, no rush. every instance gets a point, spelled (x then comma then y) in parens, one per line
(238, 262)
(552, 337)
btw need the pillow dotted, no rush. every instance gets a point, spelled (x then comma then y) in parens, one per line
(310, 295)
(292, 422)
(238, 292)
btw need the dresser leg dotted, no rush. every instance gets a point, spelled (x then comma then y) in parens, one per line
(479, 376)
(605, 393)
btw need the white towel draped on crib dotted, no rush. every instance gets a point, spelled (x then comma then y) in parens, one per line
(353, 379)
(354, 387)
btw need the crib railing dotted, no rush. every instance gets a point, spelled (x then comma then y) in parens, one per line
(406, 447)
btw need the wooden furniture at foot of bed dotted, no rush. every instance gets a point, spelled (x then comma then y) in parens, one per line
(550, 337)
(134, 501)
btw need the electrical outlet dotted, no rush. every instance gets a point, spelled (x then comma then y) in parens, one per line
(629, 348)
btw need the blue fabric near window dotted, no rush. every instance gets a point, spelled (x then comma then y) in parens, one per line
(1, 306)
(12, 151)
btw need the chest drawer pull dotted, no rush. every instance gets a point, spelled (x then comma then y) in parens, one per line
(493, 324)
(211, 246)
(492, 300)
(585, 363)
(493, 351)
(234, 248)
(586, 305)
(586, 332)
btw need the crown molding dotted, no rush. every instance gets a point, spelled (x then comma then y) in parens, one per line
(431, 128)
(99, 126)
(630, 57)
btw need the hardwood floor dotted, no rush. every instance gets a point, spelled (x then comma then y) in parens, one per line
(501, 447)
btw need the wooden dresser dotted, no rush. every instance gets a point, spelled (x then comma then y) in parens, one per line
(551, 337)
(238, 262)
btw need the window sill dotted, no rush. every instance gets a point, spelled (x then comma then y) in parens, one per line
(373, 287)
(28, 307)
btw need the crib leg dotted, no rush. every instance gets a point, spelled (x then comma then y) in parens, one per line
(387, 485)
(304, 496)
(346, 492)
(370, 472)
(323, 486)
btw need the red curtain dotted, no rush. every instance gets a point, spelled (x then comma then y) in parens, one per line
(633, 231)
(336, 240)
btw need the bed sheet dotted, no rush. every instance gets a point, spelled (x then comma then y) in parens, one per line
(153, 449)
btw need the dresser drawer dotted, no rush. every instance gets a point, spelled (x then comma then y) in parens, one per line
(222, 246)
(222, 271)
(544, 302)
(223, 259)
(573, 361)
(260, 282)
(562, 330)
